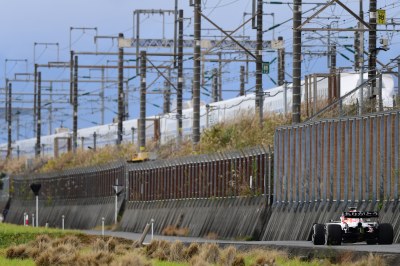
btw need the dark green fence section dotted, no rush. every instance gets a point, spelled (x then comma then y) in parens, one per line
(230, 174)
(88, 182)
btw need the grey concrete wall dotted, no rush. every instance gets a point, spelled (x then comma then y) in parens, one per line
(79, 213)
(294, 221)
(235, 218)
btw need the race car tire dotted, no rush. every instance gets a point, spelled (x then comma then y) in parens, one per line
(318, 236)
(385, 234)
(371, 241)
(333, 235)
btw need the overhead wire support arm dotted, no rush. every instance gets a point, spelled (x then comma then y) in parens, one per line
(162, 74)
(326, 6)
(228, 35)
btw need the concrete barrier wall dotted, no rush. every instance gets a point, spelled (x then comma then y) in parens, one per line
(79, 213)
(294, 221)
(237, 218)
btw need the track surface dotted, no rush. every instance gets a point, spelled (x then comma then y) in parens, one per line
(302, 245)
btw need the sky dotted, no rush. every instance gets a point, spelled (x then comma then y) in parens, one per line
(25, 22)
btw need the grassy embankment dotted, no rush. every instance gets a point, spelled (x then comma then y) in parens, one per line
(244, 132)
(44, 247)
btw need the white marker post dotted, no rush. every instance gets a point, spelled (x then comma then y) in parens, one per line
(118, 190)
(33, 220)
(62, 222)
(102, 226)
(37, 210)
(35, 189)
(152, 228)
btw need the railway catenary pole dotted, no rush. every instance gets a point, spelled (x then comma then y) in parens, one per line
(180, 78)
(38, 113)
(167, 97)
(259, 89)
(359, 58)
(9, 106)
(215, 91)
(142, 120)
(196, 73)
(50, 109)
(333, 81)
(121, 108)
(372, 52)
(34, 96)
(220, 76)
(296, 61)
(281, 64)
(241, 93)
(71, 77)
(75, 107)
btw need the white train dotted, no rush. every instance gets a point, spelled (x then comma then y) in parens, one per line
(210, 114)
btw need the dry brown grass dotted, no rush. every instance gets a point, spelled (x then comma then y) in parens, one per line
(163, 250)
(102, 245)
(172, 230)
(211, 236)
(371, 260)
(131, 259)
(266, 257)
(198, 261)
(66, 254)
(192, 250)
(239, 261)
(210, 253)
(177, 251)
(17, 252)
(228, 256)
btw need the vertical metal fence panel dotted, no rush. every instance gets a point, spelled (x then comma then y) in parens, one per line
(374, 155)
(353, 160)
(381, 157)
(389, 193)
(396, 157)
(307, 177)
(313, 159)
(367, 157)
(346, 161)
(361, 145)
(331, 159)
(277, 165)
(298, 165)
(326, 167)
(338, 159)
(285, 165)
(291, 164)
(303, 164)
(319, 158)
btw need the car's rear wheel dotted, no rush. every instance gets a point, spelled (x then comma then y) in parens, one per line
(318, 236)
(385, 234)
(333, 235)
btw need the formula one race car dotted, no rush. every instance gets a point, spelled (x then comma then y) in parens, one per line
(354, 226)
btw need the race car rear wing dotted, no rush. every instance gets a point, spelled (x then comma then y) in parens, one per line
(366, 214)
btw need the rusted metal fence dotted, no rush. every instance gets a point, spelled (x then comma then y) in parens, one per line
(89, 182)
(348, 159)
(240, 173)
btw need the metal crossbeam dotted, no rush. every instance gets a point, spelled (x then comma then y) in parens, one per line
(226, 44)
